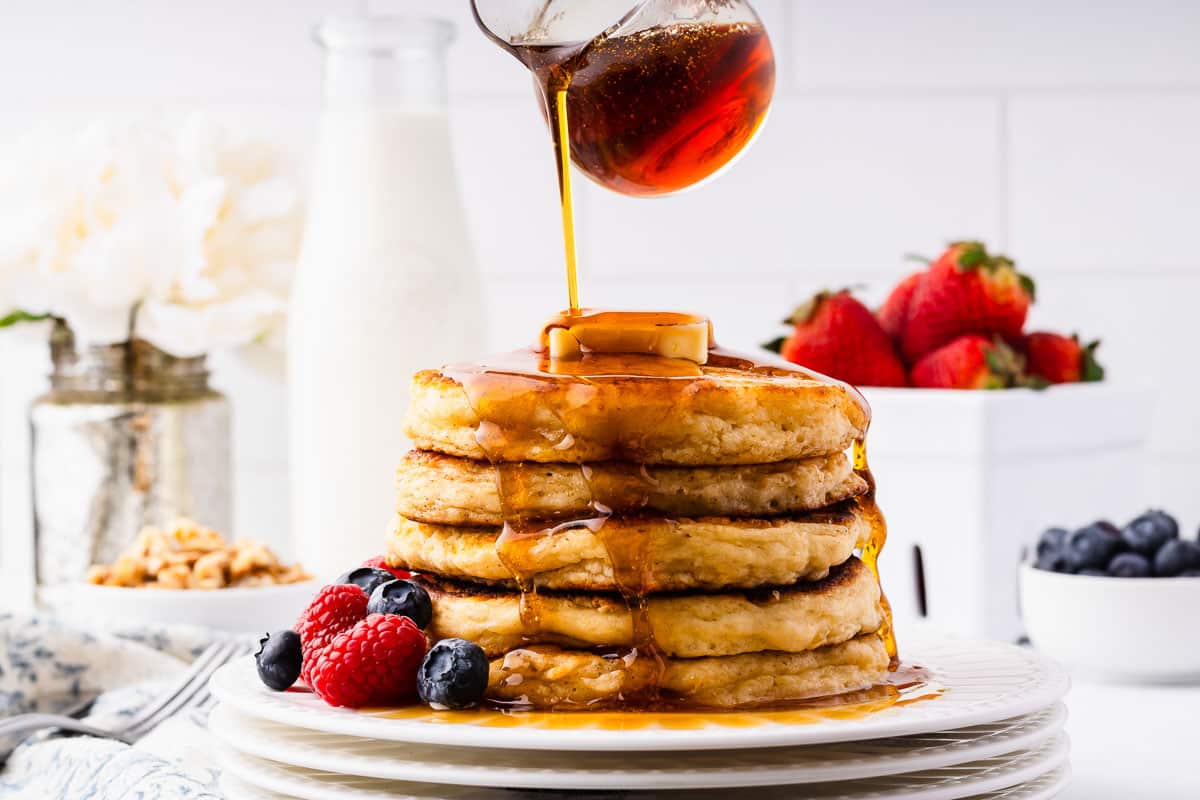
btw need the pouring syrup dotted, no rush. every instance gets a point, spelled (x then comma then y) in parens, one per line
(648, 109)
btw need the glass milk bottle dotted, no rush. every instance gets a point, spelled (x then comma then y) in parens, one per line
(386, 283)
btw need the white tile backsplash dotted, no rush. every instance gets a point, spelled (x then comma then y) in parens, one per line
(60, 52)
(834, 187)
(1105, 180)
(1171, 484)
(1146, 324)
(1065, 131)
(509, 185)
(950, 44)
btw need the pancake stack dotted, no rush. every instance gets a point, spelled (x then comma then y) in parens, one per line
(633, 530)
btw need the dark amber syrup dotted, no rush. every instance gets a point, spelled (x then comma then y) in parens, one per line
(906, 686)
(658, 110)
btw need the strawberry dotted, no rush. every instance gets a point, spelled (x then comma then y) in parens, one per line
(838, 336)
(966, 290)
(969, 362)
(893, 314)
(1055, 358)
(380, 562)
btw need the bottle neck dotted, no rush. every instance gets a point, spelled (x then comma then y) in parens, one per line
(135, 369)
(389, 62)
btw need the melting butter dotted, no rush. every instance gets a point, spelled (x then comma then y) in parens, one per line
(670, 335)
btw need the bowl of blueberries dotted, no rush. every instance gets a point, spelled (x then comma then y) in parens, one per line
(1113, 603)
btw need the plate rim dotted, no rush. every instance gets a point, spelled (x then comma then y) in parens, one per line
(1053, 686)
(225, 721)
(1056, 755)
(1057, 780)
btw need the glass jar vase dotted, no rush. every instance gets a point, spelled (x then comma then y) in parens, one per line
(127, 436)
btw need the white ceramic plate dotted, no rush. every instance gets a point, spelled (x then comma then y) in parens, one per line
(1042, 788)
(951, 783)
(982, 682)
(534, 769)
(255, 609)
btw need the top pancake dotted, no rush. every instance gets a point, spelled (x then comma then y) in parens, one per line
(724, 412)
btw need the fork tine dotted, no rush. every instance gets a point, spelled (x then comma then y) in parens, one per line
(181, 684)
(196, 692)
(172, 702)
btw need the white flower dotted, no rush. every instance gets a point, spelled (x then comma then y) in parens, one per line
(191, 225)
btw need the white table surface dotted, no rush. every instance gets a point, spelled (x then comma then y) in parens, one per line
(1127, 742)
(1133, 742)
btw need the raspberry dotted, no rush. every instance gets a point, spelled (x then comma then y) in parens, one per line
(335, 609)
(380, 562)
(373, 663)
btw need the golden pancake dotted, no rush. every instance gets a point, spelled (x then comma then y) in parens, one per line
(642, 409)
(671, 555)
(437, 488)
(791, 619)
(550, 677)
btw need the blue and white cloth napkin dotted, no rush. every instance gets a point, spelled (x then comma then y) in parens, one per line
(49, 665)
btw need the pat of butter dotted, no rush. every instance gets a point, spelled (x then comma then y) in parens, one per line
(681, 336)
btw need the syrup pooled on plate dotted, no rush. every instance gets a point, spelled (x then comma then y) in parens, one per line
(493, 388)
(904, 687)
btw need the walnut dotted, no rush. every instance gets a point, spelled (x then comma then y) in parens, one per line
(176, 577)
(209, 571)
(191, 536)
(191, 556)
(128, 570)
(292, 574)
(249, 557)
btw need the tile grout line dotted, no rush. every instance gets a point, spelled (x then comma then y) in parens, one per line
(915, 91)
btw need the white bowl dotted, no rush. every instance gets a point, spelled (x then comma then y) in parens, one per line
(1136, 630)
(250, 610)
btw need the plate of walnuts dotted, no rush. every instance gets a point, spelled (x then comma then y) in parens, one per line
(186, 573)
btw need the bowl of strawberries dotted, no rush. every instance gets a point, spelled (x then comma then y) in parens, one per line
(982, 429)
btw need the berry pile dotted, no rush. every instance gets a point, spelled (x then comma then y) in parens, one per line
(361, 642)
(957, 324)
(1149, 546)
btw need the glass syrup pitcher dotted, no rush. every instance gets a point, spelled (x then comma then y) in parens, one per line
(660, 100)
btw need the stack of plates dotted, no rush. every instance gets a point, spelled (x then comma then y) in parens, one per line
(994, 730)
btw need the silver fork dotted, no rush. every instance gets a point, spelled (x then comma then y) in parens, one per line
(190, 690)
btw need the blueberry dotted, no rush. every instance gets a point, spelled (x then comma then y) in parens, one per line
(1052, 541)
(1093, 572)
(454, 674)
(1149, 532)
(1176, 557)
(1190, 573)
(1092, 547)
(1053, 562)
(1129, 565)
(404, 598)
(278, 659)
(366, 578)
